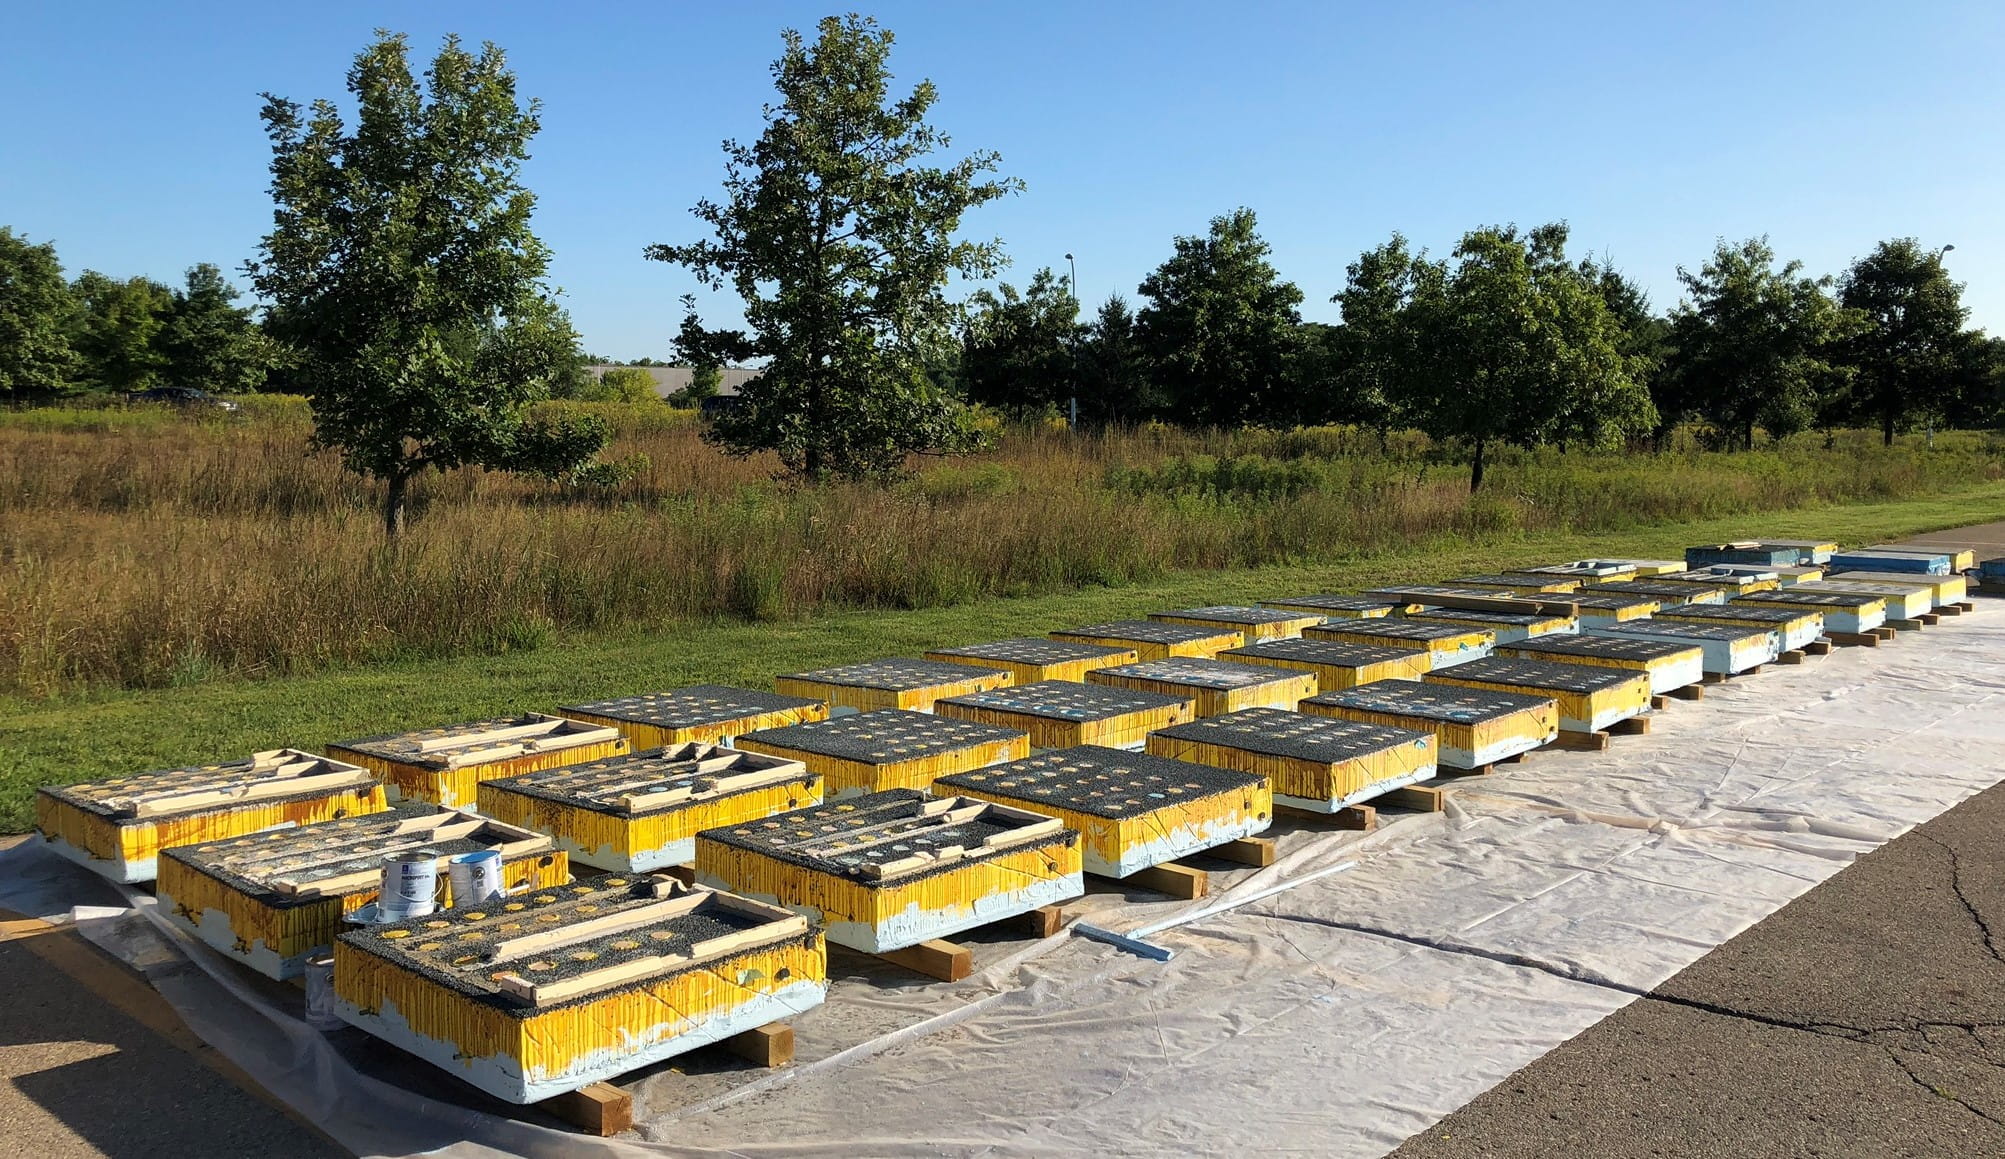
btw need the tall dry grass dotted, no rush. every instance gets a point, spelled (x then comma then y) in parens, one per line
(138, 548)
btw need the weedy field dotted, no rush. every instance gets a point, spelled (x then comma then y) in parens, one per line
(146, 549)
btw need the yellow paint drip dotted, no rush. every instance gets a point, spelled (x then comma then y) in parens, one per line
(292, 930)
(551, 1041)
(1284, 692)
(628, 836)
(1336, 677)
(1202, 647)
(843, 899)
(1297, 777)
(1111, 839)
(843, 776)
(1046, 732)
(460, 788)
(1627, 698)
(108, 840)
(1024, 672)
(1536, 724)
(648, 736)
(869, 699)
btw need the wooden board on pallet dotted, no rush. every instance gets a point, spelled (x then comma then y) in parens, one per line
(605, 1110)
(952, 961)
(1854, 639)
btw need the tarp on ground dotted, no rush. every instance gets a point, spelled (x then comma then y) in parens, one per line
(1336, 1018)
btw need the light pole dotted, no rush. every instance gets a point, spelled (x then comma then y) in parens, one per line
(1072, 290)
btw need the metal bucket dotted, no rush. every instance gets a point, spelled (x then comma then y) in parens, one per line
(410, 886)
(475, 877)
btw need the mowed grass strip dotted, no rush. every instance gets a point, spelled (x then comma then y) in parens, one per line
(85, 736)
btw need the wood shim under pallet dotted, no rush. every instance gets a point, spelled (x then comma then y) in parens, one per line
(605, 1110)
(951, 961)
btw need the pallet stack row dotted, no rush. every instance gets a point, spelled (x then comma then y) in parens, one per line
(669, 866)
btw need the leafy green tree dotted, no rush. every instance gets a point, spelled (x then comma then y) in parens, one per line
(1376, 350)
(840, 239)
(1753, 344)
(1641, 335)
(35, 307)
(1905, 353)
(1978, 400)
(622, 384)
(207, 343)
(1220, 326)
(704, 383)
(1114, 385)
(1020, 350)
(116, 328)
(403, 273)
(1510, 344)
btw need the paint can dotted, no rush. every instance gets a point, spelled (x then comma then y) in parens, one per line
(475, 877)
(320, 994)
(410, 886)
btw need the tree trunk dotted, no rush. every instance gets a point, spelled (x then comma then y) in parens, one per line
(1747, 437)
(393, 505)
(1887, 429)
(1476, 468)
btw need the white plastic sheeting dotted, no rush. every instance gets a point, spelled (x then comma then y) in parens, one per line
(1337, 1018)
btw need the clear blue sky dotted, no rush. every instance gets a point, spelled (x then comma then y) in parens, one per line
(131, 136)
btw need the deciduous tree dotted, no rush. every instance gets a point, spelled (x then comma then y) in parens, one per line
(1910, 337)
(1220, 326)
(116, 328)
(1754, 344)
(403, 273)
(1020, 349)
(839, 238)
(207, 342)
(1114, 385)
(35, 307)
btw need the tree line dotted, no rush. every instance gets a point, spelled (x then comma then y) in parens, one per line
(405, 293)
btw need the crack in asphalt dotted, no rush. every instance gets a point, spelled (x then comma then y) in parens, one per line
(1956, 886)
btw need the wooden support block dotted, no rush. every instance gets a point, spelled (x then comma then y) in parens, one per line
(1855, 639)
(1931, 619)
(1659, 703)
(1967, 606)
(1948, 610)
(1789, 658)
(1424, 798)
(1580, 742)
(1634, 726)
(947, 961)
(1713, 678)
(1513, 759)
(1363, 818)
(1689, 692)
(1255, 851)
(601, 1109)
(1885, 633)
(1173, 880)
(1901, 626)
(1044, 921)
(1754, 671)
(770, 1045)
(1818, 647)
(686, 874)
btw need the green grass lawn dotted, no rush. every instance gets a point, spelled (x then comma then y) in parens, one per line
(61, 741)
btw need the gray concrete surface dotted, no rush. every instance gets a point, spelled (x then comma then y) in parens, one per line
(92, 1064)
(1867, 1018)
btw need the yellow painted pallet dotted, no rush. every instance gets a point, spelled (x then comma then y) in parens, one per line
(1217, 686)
(890, 870)
(1334, 607)
(1669, 666)
(1667, 595)
(1252, 623)
(702, 713)
(272, 900)
(557, 989)
(1905, 601)
(1943, 589)
(446, 765)
(1472, 727)
(1510, 627)
(1153, 640)
(1444, 644)
(1032, 659)
(1335, 663)
(1528, 584)
(893, 683)
(1725, 584)
(1590, 697)
(888, 749)
(1314, 763)
(1132, 810)
(641, 812)
(1058, 714)
(118, 826)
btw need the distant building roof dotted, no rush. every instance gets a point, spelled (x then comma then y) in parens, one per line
(669, 379)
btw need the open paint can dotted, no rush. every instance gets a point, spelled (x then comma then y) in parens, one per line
(410, 886)
(475, 877)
